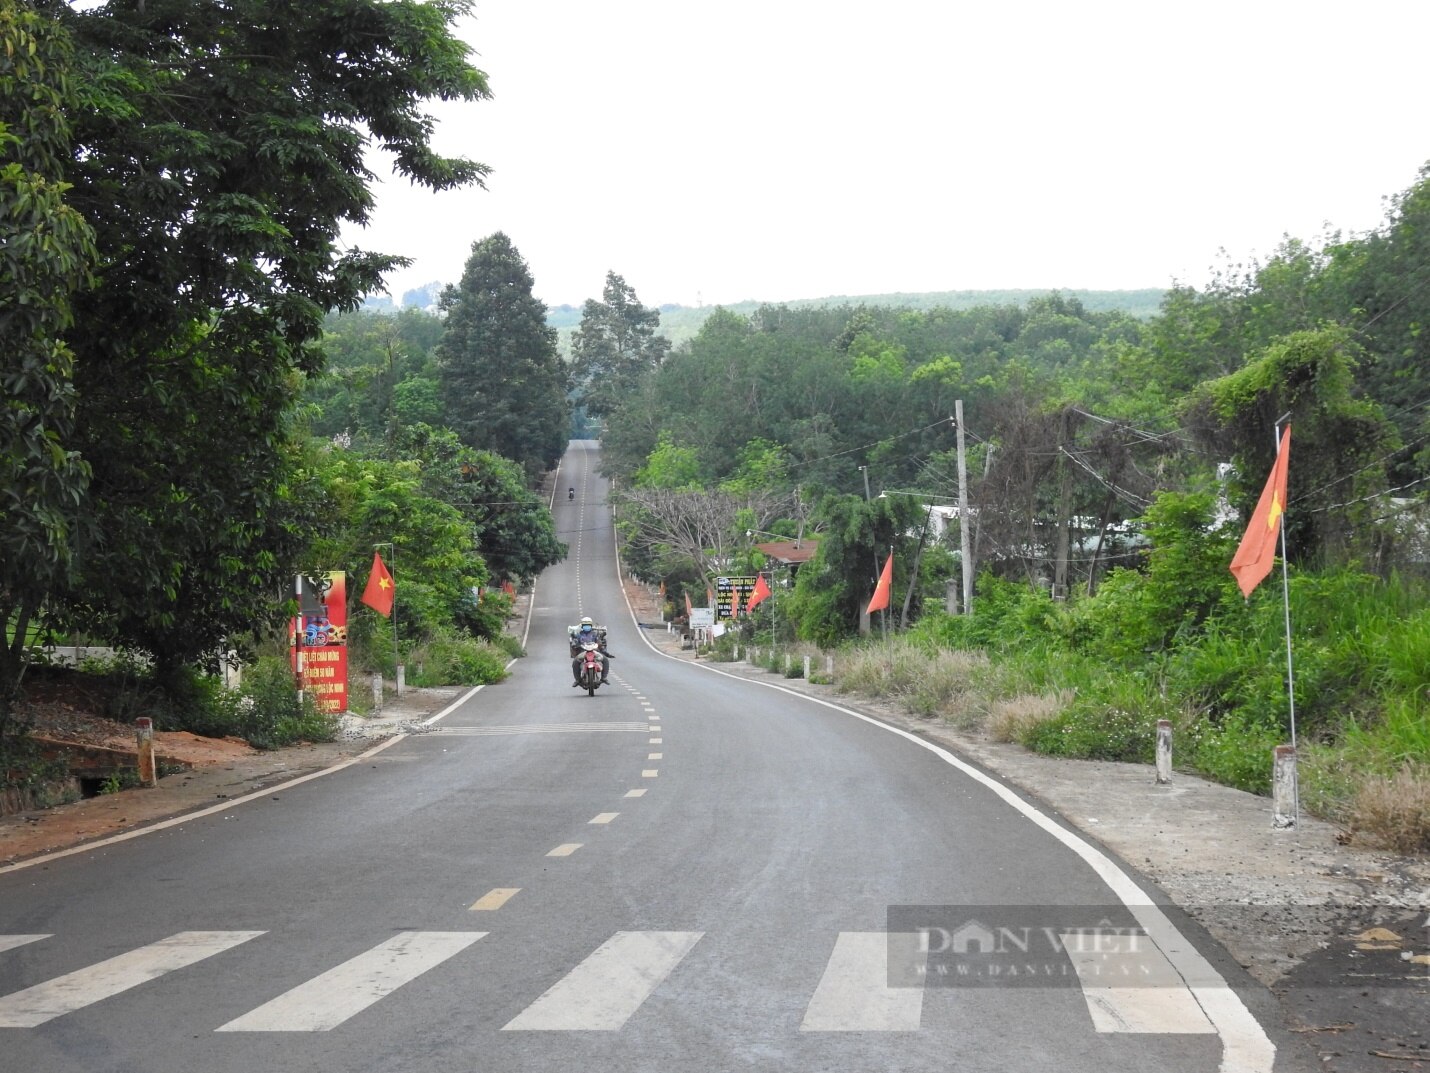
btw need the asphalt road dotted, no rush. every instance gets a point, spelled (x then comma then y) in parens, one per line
(685, 872)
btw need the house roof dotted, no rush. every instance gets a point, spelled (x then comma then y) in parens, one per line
(788, 551)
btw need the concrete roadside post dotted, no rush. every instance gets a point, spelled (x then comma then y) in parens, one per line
(144, 732)
(1164, 751)
(787, 664)
(829, 667)
(401, 678)
(1284, 806)
(806, 668)
(377, 691)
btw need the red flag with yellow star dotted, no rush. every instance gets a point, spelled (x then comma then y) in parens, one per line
(761, 591)
(380, 589)
(1257, 554)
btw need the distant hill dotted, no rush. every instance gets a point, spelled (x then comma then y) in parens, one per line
(679, 323)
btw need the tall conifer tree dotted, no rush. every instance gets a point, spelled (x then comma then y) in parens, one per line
(503, 383)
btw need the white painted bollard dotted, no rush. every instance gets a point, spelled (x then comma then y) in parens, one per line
(829, 666)
(787, 664)
(1284, 804)
(1164, 752)
(144, 733)
(401, 678)
(377, 691)
(806, 668)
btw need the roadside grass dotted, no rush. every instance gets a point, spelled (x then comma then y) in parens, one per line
(1395, 811)
(923, 682)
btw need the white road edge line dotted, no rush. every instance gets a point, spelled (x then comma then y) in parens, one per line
(1245, 1046)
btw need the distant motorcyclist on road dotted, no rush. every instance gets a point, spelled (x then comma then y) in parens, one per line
(588, 633)
(571, 493)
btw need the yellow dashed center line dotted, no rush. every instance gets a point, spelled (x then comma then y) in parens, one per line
(656, 756)
(495, 898)
(565, 850)
(649, 773)
(604, 817)
(635, 793)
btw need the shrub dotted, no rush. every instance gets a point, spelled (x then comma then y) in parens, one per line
(450, 659)
(509, 644)
(270, 712)
(1096, 733)
(1237, 751)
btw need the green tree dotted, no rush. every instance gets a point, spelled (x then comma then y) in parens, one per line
(46, 253)
(503, 380)
(377, 377)
(512, 527)
(615, 347)
(218, 152)
(1340, 447)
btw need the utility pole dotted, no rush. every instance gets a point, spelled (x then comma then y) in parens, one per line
(965, 545)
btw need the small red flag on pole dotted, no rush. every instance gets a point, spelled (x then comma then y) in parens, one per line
(880, 599)
(761, 591)
(380, 589)
(1257, 554)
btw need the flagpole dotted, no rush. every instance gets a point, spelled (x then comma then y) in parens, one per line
(884, 611)
(1286, 614)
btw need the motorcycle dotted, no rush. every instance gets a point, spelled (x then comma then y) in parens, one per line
(570, 493)
(590, 667)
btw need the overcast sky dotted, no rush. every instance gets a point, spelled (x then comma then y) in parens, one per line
(782, 149)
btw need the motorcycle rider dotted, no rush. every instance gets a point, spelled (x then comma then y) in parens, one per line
(588, 632)
(571, 493)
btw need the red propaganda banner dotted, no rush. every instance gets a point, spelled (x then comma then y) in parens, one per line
(320, 640)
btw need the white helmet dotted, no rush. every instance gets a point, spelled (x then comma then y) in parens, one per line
(587, 621)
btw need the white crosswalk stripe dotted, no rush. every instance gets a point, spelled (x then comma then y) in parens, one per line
(1158, 1000)
(73, 991)
(10, 942)
(540, 728)
(326, 1001)
(601, 993)
(854, 994)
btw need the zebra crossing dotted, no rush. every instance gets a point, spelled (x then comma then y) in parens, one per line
(858, 991)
